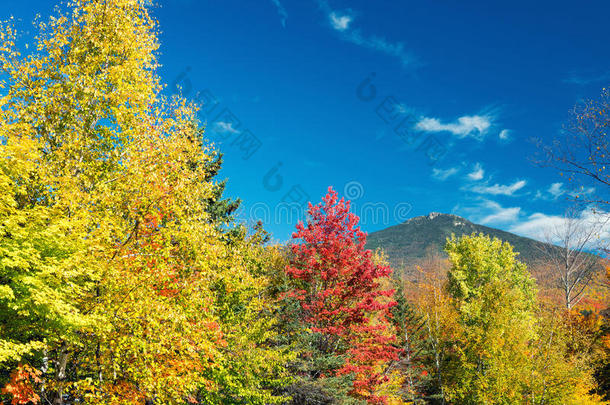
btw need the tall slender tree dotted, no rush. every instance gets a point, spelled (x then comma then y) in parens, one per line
(495, 298)
(574, 262)
(337, 286)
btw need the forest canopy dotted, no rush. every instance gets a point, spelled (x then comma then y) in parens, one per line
(126, 279)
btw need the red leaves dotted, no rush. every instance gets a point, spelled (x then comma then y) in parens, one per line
(341, 295)
(21, 385)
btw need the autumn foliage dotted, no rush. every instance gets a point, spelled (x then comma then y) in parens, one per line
(125, 278)
(340, 295)
(21, 387)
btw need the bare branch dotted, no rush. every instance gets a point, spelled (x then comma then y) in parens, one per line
(571, 250)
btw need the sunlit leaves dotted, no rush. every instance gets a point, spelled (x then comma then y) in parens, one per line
(343, 307)
(116, 278)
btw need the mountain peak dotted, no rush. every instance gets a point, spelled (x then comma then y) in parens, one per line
(413, 239)
(439, 215)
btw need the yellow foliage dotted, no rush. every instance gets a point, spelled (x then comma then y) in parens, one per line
(112, 256)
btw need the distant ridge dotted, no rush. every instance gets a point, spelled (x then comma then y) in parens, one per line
(410, 241)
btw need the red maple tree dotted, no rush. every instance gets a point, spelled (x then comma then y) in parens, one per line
(340, 293)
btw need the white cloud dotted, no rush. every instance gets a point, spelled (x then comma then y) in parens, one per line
(401, 108)
(588, 78)
(489, 212)
(477, 173)
(441, 174)
(556, 190)
(542, 226)
(583, 191)
(499, 214)
(499, 189)
(504, 135)
(340, 22)
(396, 49)
(281, 11)
(475, 126)
(343, 21)
(222, 127)
(536, 225)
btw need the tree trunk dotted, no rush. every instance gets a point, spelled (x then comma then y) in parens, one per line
(62, 361)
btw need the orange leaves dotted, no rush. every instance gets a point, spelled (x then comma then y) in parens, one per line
(216, 331)
(606, 341)
(124, 393)
(21, 385)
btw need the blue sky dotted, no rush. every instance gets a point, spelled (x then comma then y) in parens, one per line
(407, 106)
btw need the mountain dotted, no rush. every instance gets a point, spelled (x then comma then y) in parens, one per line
(410, 241)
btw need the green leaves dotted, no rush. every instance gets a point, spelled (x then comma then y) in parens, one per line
(495, 297)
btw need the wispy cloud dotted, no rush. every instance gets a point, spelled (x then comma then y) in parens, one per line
(556, 190)
(281, 11)
(498, 214)
(542, 226)
(537, 225)
(396, 49)
(499, 189)
(475, 126)
(477, 173)
(340, 22)
(488, 212)
(583, 79)
(402, 108)
(444, 174)
(582, 191)
(222, 127)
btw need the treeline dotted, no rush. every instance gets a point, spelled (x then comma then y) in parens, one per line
(125, 279)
